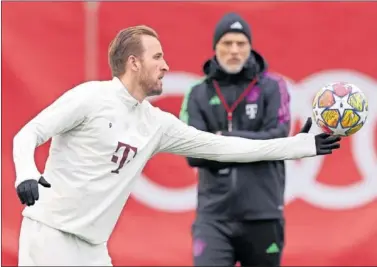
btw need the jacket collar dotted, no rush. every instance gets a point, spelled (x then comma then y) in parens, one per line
(123, 93)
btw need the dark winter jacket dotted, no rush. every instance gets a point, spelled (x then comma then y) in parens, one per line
(232, 190)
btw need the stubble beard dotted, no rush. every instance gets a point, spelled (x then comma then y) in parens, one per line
(148, 85)
(232, 69)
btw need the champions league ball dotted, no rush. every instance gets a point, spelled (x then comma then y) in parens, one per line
(340, 109)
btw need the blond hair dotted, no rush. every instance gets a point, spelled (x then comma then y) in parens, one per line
(126, 43)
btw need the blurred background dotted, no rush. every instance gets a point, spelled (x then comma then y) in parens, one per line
(331, 202)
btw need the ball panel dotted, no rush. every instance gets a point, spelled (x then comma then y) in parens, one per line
(356, 100)
(354, 129)
(324, 127)
(349, 119)
(315, 100)
(342, 89)
(315, 115)
(331, 117)
(326, 99)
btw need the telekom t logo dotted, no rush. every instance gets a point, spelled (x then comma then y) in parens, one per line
(126, 150)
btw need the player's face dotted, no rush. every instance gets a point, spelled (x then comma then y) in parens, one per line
(232, 51)
(153, 66)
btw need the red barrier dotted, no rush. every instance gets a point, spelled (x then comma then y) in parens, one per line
(331, 202)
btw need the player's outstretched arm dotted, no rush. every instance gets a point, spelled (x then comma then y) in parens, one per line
(64, 114)
(178, 138)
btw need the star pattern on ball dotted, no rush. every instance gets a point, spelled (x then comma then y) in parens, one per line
(341, 104)
(338, 111)
(339, 130)
(363, 115)
(318, 110)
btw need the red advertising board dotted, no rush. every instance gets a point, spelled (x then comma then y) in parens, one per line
(331, 201)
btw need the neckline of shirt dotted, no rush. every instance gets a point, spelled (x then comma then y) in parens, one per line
(125, 96)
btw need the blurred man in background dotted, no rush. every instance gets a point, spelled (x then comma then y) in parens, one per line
(240, 206)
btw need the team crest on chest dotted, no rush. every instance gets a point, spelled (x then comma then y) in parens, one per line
(251, 110)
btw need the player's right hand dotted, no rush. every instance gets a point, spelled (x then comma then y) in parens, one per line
(325, 143)
(28, 192)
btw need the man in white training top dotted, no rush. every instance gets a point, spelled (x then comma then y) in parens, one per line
(103, 133)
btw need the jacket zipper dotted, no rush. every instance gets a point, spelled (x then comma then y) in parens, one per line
(229, 111)
(234, 192)
(233, 195)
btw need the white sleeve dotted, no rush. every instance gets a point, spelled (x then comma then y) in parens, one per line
(65, 113)
(178, 138)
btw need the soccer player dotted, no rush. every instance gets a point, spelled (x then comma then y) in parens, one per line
(103, 133)
(240, 206)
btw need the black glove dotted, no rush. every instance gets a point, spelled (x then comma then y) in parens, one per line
(324, 142)
(28, 192)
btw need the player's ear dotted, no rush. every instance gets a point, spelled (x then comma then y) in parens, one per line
(135, 65)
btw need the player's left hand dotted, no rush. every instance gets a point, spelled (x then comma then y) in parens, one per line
(28, 192)
(325, 143)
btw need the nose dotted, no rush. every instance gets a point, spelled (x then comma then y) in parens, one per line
(234, 49)
(165, 67)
